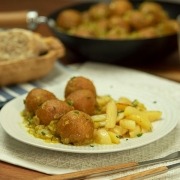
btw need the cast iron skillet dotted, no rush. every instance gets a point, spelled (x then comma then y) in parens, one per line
(123, 52)
(142, 51)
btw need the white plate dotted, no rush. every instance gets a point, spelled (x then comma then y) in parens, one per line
(11, 119)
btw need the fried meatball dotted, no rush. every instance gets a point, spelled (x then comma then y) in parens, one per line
(52, 109)
(99, 11)
(116, 21)
(77, 83)
(120, 7)
(83, 100)
(35, 98)
(75, 127)
(168, 27)
(69, 18)
(154, 9)
(137, 20)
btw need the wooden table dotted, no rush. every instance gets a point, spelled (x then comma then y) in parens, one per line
(169, 69)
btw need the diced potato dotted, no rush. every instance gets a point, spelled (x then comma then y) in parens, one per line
(127, 124)
(120, 116)
(111, 112)
(130, 110)
(124, 100)
(142, 120)
(135, 132)
(99, 124)
(122, 103)
(102, 136)
(121, 106)
(114, 137)
(154, 115)
(103, 100)
(119, 130)
(97, 118)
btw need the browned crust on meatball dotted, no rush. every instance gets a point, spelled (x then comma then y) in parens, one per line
(35, 98)
(83, 100)
(69, 18)
(52, 109)
(75, 127)
(79, 82)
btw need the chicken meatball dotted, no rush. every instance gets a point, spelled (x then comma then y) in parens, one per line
(35, 98)
(83, 100)
(77, 83)
(52, 109)
(75, 127)
(69, 18)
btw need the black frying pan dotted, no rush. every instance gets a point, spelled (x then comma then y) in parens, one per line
(125, 52)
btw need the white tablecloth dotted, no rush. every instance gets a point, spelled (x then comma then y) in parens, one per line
(53, 162)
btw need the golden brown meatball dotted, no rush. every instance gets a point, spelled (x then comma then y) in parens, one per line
(77, 83)
(35, 98)
(76, 128)
(99, 11)
(69, 18)
(120, 7)
(137, 20)
(154, 9)
(168, 27)
(52, 109)
(83, 100)
(118, 22)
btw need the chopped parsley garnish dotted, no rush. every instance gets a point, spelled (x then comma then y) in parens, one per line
(119, 136)
(139, 135)
(43, 133)
(135, 103)
(70, 102)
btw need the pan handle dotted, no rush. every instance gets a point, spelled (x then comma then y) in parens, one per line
(21, 19)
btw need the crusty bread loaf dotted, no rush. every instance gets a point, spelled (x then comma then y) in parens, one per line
(20, 44)
(26, 56)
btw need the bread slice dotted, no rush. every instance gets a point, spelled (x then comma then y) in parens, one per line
(28, 57)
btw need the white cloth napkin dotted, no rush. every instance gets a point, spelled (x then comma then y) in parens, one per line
(53, 162)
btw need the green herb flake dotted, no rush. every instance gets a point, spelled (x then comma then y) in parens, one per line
(139, 135)
(24, 101)
(119, 136)
(91, 145)
(154, 102)
(70, 102)
(43, 133)
(135, 103)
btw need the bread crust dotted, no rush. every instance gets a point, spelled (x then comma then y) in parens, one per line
(28, 69)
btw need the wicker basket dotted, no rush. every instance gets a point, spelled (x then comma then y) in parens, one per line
(20, 71)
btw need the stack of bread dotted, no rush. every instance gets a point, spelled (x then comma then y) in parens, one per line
(26, 55)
